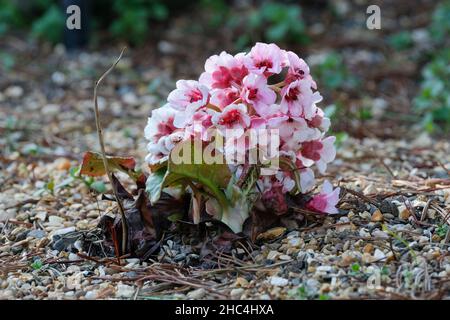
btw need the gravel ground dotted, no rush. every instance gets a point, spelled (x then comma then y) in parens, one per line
(390, 239)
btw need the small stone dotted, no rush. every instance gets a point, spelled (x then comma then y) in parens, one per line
(368, 248)
(37, 233)
(166, 47)
(14, 92)
(324, 269)
(377, 216)
(370, 189)
(90, 295)
(431, 214)
(272, 255)
(285, 257)
(62, 164)
(51, 109)
(73, 257)
(236, 293)
(436, 238)
(179, 257)
(241, 282)
(42, 215)
(380, 234)
(403, 212)
(379, 255)
(278, 281)
(124, 291)
(63, 231)
(92, 214)
(55, 220)
(423, 239)
(364, 233)
(388, 216)
(58, 78)
(294, 242)
(367, 258)
(196, 294)
(22, 216)
(365, 215)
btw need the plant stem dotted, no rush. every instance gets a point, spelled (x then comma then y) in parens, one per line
(105, 161)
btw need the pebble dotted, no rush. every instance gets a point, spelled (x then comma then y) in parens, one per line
(368, 248)
(125, 291)
(37, 233)
(63, 231)
(278, 281)
(423, 239)
(403, 212)
(295, 242)
(364, 233)
(14, 92)
(380, 234)
(196, 294)
(379, 255)
(377, 216)
(241, 282)
(55, 221)
(365, 215)
(236, 293)
(73, 257)
(90, 295)
(42, 215)
(272, 255)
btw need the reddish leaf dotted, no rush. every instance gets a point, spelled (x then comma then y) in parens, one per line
(92, 165)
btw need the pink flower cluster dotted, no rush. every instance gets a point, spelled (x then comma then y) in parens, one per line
(238, 92)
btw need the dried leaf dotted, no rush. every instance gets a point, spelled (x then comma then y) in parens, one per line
(271, 234)
(92, 165)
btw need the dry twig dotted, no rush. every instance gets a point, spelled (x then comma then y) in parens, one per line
(105, 161)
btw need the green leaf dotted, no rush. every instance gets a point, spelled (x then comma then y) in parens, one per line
(50, 26)
(356, 267)
(37, 264)
(235, 214)
(212, 176)
(50, 186)
(155, 184)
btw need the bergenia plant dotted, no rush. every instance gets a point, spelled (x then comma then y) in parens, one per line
(243, 138)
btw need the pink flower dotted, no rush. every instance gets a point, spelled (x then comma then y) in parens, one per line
(298, 70)
(199, 125)
(285, 179)
(319, 121)
(257, 93)
(267, 59)
(232, 121)
(299, 99)
(326, 200)
(224, 97)
(189, 96)
(320, 152)
(293, 127)
(224, 71)
(273, 197)
(160, 123)
(234, 100)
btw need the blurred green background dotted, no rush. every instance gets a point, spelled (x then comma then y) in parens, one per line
(401, 71)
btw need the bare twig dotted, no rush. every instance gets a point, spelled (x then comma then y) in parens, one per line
(105, 161)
